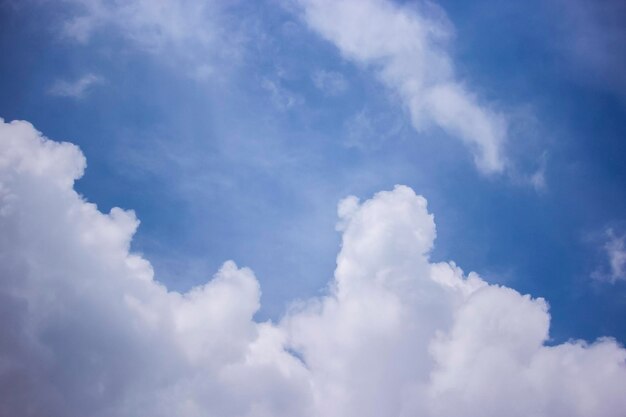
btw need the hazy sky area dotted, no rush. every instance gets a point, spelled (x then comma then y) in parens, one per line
(274, 208)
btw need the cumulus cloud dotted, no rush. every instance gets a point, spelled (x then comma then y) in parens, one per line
(407, 48)
(75, 89)
(87, 331)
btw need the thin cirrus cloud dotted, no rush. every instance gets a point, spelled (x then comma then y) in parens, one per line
(614, 249)
(407, 49)
(87, 330)
(192, 31)
(151, 24)
(77, 88)
(330, 83)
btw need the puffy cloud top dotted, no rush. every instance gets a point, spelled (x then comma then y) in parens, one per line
(87, 331)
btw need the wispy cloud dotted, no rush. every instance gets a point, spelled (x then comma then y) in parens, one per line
(85, 321)
(592, 38)
(77, 88)
(369, 130)
(614, 249)
(330, 82)
(282, 98)
(406, 46)
(151, 24)
(191, 31)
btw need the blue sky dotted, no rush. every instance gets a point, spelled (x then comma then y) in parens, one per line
(313, 208)
(240, 148)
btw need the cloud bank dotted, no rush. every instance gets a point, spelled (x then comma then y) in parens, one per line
(407, 48)
(87, 331)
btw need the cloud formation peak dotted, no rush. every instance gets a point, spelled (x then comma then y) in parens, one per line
(87, 331)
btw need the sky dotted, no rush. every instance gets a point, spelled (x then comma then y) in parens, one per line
(275, 208)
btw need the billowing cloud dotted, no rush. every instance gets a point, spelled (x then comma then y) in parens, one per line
(87, 331)
(407, 48)
(76, 88)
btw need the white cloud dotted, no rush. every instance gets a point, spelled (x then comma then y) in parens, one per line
(150, 23)
(407, 48)
(87, 330)
(75, 89)
(190, 34)
(615, 251)
(538, 178)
